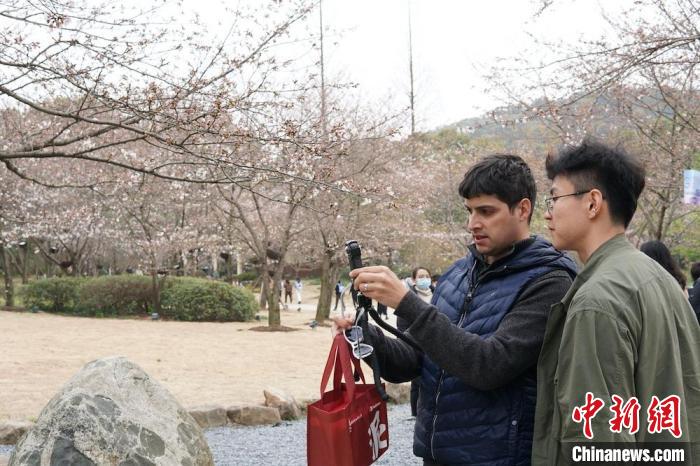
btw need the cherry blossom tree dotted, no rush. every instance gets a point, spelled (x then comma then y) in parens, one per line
(157, 223)
(17, 211)
(85, 81)
(267, 226)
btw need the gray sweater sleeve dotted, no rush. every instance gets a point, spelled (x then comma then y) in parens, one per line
(482, 363)
(398, 362)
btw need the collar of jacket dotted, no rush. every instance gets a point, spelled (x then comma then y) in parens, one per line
(613, 245)
(514, 249)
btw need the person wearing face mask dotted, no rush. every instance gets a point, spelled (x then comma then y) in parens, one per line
(421, 284)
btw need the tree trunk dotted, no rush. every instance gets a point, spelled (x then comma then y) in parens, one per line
(13, 261)
(659, 233)
(9, 286)
(156, 290)
(75, 268)
(239, 263)
(329, 277)
(264, 286)
(273, 298)
(25, 265)
(229, 268)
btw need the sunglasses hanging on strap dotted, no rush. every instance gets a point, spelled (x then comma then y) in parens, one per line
(363, 306)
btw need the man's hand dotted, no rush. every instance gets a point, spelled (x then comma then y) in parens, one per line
(380, 284)
(340, 324)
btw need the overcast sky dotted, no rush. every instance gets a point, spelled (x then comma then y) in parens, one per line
(454, 43)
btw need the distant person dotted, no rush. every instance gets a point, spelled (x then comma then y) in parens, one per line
(435, 279)
(660, 253)
(287, 292)
(421, 285)
(695, 292)
(339, 288)
(298, 287)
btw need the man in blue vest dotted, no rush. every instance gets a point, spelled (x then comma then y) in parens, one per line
(482, 334)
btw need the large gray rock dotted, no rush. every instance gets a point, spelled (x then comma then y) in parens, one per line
(209, 416)
(287, 405)
(251, 415)
(113, 413)
(11, 431)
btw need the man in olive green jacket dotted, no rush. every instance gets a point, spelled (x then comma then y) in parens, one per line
(620, 360)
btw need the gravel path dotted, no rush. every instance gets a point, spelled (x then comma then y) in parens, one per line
(286, 444)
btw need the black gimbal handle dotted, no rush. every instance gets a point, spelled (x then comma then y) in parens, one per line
(352, 248)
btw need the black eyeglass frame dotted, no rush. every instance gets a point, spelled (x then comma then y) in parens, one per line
(549, 201)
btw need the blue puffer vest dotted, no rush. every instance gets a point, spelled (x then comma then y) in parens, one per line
(457, 424)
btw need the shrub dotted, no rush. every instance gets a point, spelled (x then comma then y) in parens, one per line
(59, 294)
(196, 299)
(115, 295)
(246, 277)
(191, 299)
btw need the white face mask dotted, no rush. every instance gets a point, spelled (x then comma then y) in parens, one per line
(423, 283)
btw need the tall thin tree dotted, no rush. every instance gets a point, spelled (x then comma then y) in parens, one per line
(323, 74)
(411, 95)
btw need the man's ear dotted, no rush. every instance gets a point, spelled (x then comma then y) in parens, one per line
(524, 209)
(596, 203)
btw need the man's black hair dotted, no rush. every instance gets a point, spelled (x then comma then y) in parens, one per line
(695, 272)
(505, 176)
(615, 173)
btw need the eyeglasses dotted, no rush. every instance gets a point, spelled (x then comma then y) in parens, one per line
(549, 201)
(354, 336)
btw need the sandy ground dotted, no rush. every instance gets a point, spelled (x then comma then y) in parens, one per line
(200, 363)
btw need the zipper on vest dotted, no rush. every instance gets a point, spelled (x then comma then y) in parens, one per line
(472, 290)
(435, 414)
(467, 300)
(469, 296)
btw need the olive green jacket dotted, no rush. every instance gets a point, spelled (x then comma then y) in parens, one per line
(624, 328)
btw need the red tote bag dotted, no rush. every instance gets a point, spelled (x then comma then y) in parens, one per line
(348, 425)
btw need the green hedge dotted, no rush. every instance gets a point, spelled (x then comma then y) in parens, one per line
(52, 294)
(116, 295)
(246, 277)
(190, 299)
(196, 299)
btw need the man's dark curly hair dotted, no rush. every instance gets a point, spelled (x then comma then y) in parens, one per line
(505, 176)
